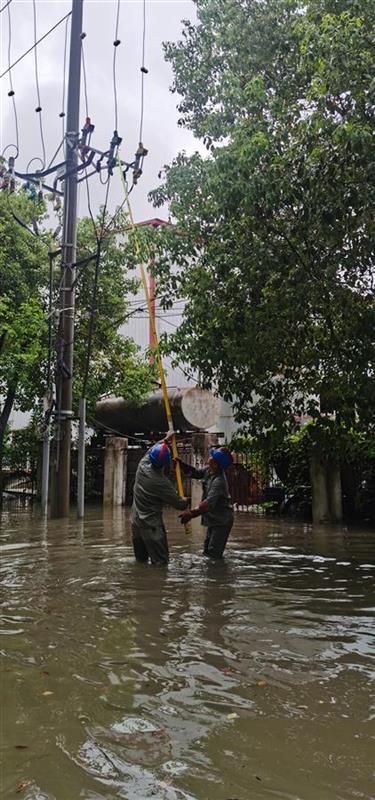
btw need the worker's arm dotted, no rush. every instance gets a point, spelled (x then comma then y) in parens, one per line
(206, 505)
(170, 497)
(188, 469)
(187, 515)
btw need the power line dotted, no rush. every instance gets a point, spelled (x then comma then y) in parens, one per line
(83, 37)
(115, 215)
(94, 293)
(56, 154)
(90, 209)
(6, 6)
(160, 308)
(95, 423)
(11, 91)
(62, 112)
(39, 106)
(163, 318)
(116, 44)
(144, 71)
(34, 45)
(99, 237)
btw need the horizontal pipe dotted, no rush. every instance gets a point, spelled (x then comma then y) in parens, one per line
(192, 409)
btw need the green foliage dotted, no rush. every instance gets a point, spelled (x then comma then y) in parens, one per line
(273, 245)
(353, 449)
(24, 330)
(22, 302)
(22, 449)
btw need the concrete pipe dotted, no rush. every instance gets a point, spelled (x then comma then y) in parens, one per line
(192, 410)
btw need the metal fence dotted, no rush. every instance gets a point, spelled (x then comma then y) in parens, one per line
(250, 485)
(20, 482)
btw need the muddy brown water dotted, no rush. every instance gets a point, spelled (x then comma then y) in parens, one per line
(241, 680)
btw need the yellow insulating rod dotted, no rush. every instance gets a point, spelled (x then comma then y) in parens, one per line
(167, 404)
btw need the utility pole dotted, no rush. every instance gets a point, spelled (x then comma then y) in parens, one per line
(60, 495)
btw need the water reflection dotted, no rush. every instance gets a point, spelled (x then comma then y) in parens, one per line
(246, 678)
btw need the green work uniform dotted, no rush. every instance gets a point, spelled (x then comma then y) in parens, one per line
(152, 491)
(219, 517)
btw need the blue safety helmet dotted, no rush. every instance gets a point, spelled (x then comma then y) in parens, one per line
(222, 456)
(160, 455)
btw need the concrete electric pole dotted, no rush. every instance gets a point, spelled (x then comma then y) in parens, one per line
(60, 495)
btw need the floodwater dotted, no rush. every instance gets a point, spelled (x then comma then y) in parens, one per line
(242, 680)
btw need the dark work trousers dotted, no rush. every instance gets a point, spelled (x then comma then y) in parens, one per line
(150, 543)
(216, 539)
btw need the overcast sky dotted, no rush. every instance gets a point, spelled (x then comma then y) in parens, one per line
(162, 136)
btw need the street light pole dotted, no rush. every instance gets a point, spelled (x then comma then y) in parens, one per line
(60, 499)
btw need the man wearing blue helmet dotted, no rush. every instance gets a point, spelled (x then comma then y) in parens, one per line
(152, 491)
(216, 508)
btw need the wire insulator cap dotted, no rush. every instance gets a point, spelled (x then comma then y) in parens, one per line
(38, 109)
(11, 93)
(144, 70)
(117, 42)
(83, 35)
(62, 114)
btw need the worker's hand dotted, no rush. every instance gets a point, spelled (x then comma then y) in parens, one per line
(169, 436)
(185, 517)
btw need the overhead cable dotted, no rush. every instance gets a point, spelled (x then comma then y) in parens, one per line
(11, 92)
(83, 37)
(39, 106)
(95, 423)
(116, 43)
(35, 45)
(99, 236)
(144, 71)
(94, 294)
(56, 154)
(62, 112)
(6, 6)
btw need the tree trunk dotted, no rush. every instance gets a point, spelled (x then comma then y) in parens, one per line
(326, 490)
(2, 342)
(4, 418)
(320, 501)
(335, 492)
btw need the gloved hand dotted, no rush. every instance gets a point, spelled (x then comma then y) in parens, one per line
(185, 517)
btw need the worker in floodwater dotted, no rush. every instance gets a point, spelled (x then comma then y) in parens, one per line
(152, 491)
(216, 508)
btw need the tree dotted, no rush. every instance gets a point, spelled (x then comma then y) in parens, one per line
(22, 309)
(274, 228)
(115, 363)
